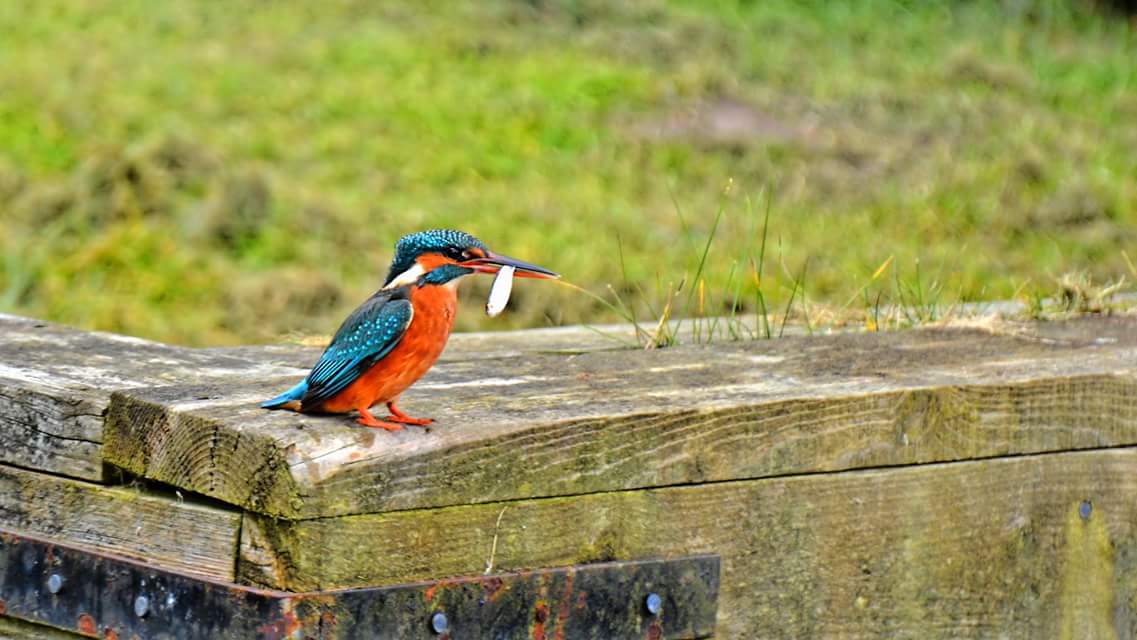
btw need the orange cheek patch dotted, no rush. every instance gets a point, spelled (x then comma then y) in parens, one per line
(430, 261)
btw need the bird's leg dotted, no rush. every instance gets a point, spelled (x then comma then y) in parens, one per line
(368, 420)
(402, 418)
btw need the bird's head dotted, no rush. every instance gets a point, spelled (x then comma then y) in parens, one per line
(440, 256)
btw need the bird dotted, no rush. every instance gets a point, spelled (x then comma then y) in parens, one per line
(397, 334)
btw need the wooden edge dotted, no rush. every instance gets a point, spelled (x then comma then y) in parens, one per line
(163, 529)
(246, 468)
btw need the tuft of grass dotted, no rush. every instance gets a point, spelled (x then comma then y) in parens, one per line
(1078, 293)
(708, 314)
(906, 300)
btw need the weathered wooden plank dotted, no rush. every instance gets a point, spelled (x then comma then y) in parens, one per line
(548, 425)
(45, 427)
(55, 384)
(1028, 547)
(128, 521)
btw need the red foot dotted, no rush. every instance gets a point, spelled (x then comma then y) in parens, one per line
(402, 418)
(368, 420)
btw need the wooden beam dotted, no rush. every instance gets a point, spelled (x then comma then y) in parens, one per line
(161, 529)
(1033, 546)
(546, 425)
(55, 384)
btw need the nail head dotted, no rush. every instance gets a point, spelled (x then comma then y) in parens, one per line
(439, 623)
(1085, 509)
(54, 583)
(654, 603)
(141, 606)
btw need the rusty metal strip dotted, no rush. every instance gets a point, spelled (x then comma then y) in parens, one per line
(105, 596)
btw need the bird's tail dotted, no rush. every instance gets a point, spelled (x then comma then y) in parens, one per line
(289, 399)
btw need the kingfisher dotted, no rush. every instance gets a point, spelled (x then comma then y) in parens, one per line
(396, 335)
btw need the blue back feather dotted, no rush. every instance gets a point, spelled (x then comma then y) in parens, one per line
(368, 334)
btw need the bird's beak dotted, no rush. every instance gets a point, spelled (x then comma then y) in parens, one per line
(493, 262)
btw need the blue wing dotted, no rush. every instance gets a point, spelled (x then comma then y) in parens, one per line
(368, 334)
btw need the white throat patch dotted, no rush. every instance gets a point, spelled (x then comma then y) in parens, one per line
(410, 276)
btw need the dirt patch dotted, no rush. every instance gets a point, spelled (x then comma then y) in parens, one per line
(722, 121)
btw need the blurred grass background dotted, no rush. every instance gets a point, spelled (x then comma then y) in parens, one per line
(213, 173)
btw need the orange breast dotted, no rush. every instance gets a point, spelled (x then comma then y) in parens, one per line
(415, 354)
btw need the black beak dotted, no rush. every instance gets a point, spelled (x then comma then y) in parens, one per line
(493, 262)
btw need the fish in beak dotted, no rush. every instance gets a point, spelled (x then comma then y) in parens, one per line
(499, 292)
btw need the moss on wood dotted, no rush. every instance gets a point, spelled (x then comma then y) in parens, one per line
(162, 529)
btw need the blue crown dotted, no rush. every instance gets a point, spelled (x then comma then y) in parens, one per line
(448, 242)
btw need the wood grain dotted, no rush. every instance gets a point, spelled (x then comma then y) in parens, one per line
(549, 425)
(55, 384)
(160, 529)
(992, 548)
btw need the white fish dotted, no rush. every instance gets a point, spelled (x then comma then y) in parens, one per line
(499, 292)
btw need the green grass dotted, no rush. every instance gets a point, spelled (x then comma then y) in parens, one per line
(212, 173)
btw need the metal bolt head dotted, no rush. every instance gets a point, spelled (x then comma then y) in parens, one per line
(654, 603)
(439, 623)
(141, 606)
(1085, 509)
(54, 583)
